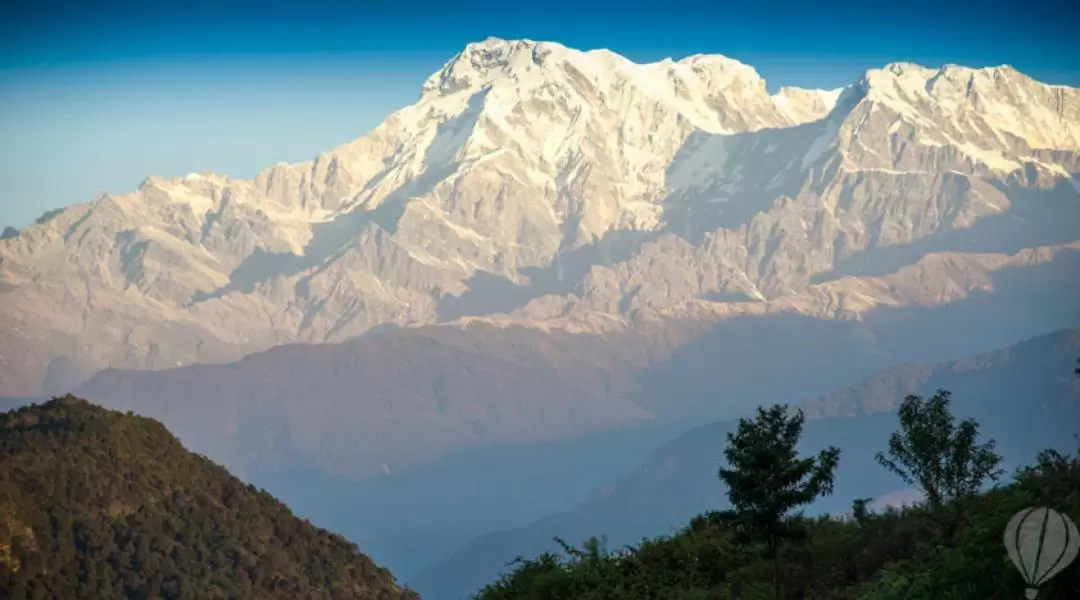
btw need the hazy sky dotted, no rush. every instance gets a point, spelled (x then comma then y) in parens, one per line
(94, 96)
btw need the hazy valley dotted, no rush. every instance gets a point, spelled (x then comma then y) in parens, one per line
(1024, 396)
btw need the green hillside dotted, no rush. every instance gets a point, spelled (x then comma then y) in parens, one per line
(99, 504)
(954, 553)
(951, 546)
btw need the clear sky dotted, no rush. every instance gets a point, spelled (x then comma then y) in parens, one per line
(95, 95)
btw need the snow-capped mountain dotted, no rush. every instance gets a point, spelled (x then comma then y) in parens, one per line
(564, 189)
(911, 157)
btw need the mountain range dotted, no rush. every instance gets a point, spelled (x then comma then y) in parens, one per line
(554, 258)
(563, 189)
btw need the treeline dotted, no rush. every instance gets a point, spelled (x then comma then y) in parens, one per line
(949, 547)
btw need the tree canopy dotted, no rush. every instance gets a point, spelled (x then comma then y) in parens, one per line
(935, 453)
(767, 480)
(895, 554)
(918, 551)
(99, 504)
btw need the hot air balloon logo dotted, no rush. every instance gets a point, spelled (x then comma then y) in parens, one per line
(1041, 542)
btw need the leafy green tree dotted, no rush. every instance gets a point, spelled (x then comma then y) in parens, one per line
(767, 479)
(938, 455)
(860, 509)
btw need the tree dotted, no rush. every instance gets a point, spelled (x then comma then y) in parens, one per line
(860, 509)
(935, 453)
(767, 480)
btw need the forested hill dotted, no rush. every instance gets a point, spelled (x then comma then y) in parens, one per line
(99, 504)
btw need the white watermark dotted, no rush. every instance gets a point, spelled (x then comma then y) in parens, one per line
(1041, 542)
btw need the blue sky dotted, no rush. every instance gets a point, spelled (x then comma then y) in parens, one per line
(94, 96)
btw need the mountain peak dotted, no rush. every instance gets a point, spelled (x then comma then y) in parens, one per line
(976, 103)
(716, 61)
(495, 52)
(480, 62)
(912, 77)
(498, 43)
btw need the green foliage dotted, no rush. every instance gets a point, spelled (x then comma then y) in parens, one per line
(765, 477)
(767, 480)
(860, 509)
(934, 453)
(946, 552)
(895, 554)
(97, 504)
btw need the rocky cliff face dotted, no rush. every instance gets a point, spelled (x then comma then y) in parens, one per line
(563, 189)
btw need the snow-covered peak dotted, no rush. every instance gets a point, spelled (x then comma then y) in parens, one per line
(481, 62)
(714, 93)
(905, 69)
(913, 78)
(991, 105)
(497, 44)
(916, 81)
(716, 61)
(721, 73)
